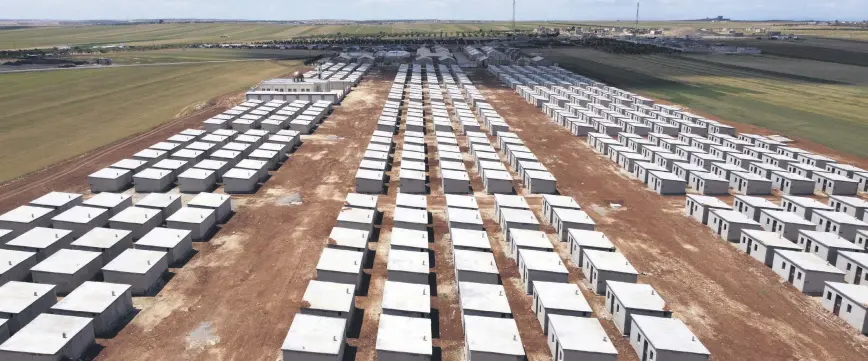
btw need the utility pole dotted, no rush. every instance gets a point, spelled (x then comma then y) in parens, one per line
(637, 15)
(513, 17)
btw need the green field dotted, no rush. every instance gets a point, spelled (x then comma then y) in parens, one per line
(201, 55)
(820, 101)
(156, 34)
(55, 115)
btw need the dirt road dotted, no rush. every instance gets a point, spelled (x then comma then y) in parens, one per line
(738, 308)
(236, 298)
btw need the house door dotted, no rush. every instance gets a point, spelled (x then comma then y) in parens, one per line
(836, 309)
(807, 245)
(691, 207)
(824, 185)
(749, 245)
(792, 275)
(858, 279)
(612, 305)
(645, 350)
(557, 349)
(719, 225)
(740, 185)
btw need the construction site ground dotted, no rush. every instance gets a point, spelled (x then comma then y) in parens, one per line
(236, 297)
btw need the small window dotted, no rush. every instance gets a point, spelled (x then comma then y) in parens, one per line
(849, 308)
(798, 275)
(618, 308)
(651, 355)
(828, 295)
(783, 265)
(848, 266)
(816, 249)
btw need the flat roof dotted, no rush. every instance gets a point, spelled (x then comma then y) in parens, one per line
(757, 202)
(16, 296)
(530, 238)
(830, 240)
(191, 215)
(410, 215)
(46, 334)
(405, 335)
(349, 237)
(840, 217)
(561, 296)
(860, 258)
(469, 238)
(329, 296)
(80, 214)
(731, 216)
(524, 216)
(153, 173)
(163, 237)
(581, 334)
(461, 201)
(664, 175)
(137, 261)
(136, 215)
(109, 173)
(669, 334)
(25, 214)
(853, 201)
(807, 202)
(560, 201)
(130, 164)
(56, 199)
(408, 237)
(708, 201)
(474, 261)
(339, 260)
(411, 201)
(511, 201)
(610, 261)
(492, 335)
(101, 237)
(787, 217)
(211, 200)
(107, 200)
(409, 297)
(483, 297)
(594, 239)
(11, 258)
(855, 293)
(748, 176)
(92, 297)
(356, 215)
(315, 334)
(196, 173)
(573, 216)
(172, 164)
(542, 261)
(39, 237)
(408, 261)
(770, 239)
(637, 296)
(462, 215)
(807, 261)
(833, 177)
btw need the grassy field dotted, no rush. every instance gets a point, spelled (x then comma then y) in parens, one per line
(148, 34)
(51, 116)
(193, 55)
(823, 102)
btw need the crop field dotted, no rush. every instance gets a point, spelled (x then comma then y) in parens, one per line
(156, 34)
(201, 55)
(822, 102)
(51, 116)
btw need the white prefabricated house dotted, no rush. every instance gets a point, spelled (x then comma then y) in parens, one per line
(578, 339)
(752, 207)
(623, 300)
(792, 183)
(854, 265)
(787, 224)
(492, 339)
(805, 271)
(826, 245)
(842, 224)
(853, 206)
(698, 207)
(666, 183)
(803, 206)
(849, 302)
(600, 267)
(707, 183)
(665, 339)
(762, 245)
(834, 184)
(556, 298)
(750, 184)
(729, 224)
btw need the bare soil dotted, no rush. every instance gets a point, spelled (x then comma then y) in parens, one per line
(737, 307)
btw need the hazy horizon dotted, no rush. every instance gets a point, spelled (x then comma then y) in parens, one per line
(453, 10)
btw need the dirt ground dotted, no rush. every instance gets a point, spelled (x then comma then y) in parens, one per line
(235, 299)
(738, 308)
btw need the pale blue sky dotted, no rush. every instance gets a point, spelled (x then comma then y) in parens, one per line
(440, 9)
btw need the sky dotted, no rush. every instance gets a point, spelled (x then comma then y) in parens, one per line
(434, 9)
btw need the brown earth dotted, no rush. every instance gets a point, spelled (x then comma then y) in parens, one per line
(246, 284)
(738, 308)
